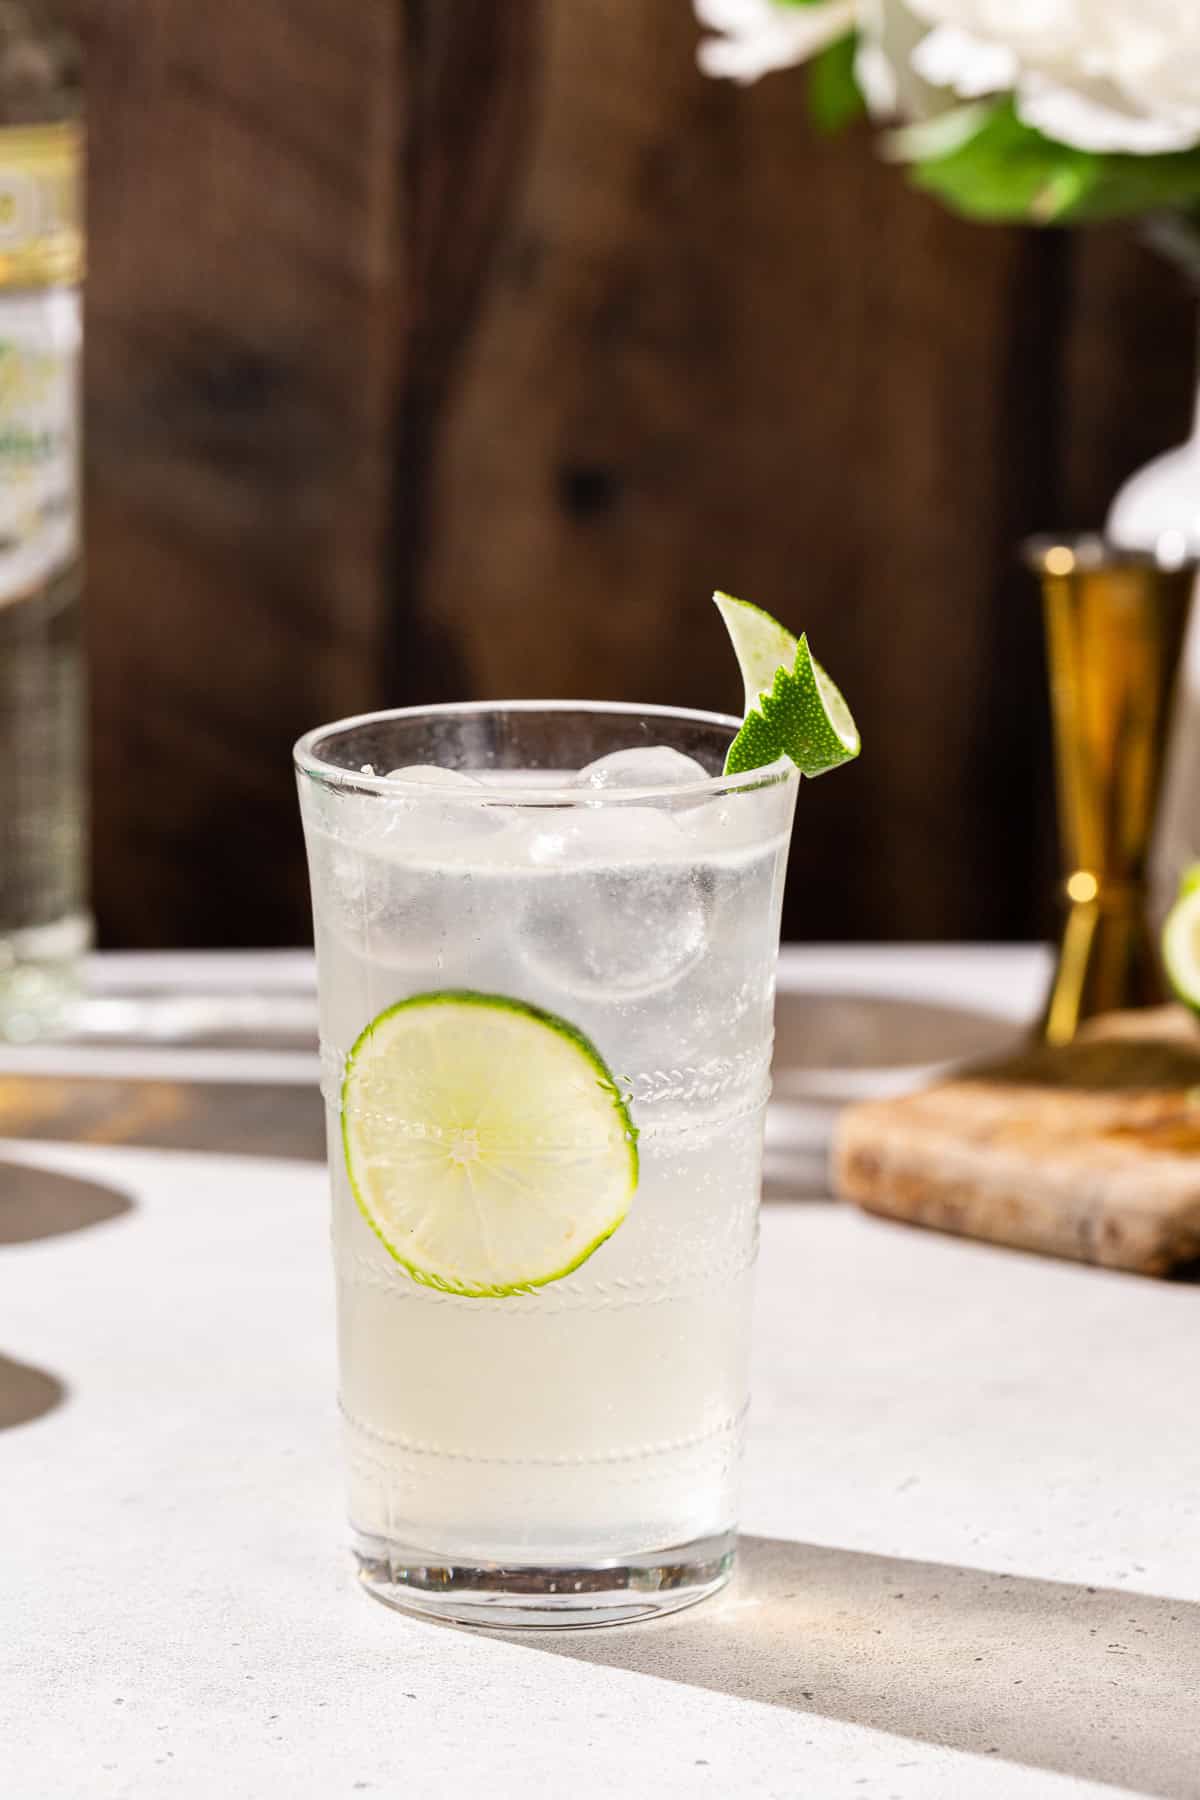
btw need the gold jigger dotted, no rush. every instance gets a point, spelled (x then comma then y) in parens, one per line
(1115, 623)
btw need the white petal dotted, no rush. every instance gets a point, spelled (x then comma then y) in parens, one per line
(888, 33)
(737, 16)
(763, 36)
(1091, 120)
(969, 66)
(877, 79)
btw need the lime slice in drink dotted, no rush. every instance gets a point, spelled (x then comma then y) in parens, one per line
(792, 707)
(1181, 940)
(486, 1142)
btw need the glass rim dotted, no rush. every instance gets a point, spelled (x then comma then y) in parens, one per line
(1091, 553)
(351, 781)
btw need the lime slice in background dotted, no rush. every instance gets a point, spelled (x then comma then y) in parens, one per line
(1181, 940)
(792, 707)
(486, 1142)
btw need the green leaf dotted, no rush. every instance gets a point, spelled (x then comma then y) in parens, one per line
(1140, 184)
(833, 94)
(928, 140)
(1003, 170)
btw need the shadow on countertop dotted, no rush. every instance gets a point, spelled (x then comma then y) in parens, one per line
(826, 1043)
(44, 1203)
(36, 1204)
(26, 1393)
(1082, 1681)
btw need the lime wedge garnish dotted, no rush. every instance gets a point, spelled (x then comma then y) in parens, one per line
(792, 707)
(1181, 940)
(486, 1142)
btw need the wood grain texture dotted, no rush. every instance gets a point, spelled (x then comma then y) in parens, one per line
(460, 351)
(244, 326)
(1088, 1152)
(715, 348)
(1127, 390)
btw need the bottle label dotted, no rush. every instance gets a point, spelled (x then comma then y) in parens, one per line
(41, 264)
(41, 215)
(40, 340)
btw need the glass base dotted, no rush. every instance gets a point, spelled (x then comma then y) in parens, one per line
(41, 978)
(511, 1595)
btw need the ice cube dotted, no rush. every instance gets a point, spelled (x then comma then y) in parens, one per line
(647, 766)
(615, 915)
(420, 826)
(607, 835)
(402, 888)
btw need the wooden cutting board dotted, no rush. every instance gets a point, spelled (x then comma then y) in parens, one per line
(1091, 1151)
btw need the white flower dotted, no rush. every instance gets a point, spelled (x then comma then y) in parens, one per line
(888, 33)
(761, 36)
(1102, 75)
(1098, 74)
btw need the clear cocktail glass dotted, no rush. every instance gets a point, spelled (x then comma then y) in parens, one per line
(546, 1017)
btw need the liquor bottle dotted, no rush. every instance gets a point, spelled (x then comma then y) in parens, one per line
(44, 922)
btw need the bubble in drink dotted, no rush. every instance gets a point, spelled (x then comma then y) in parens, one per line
(649, 766)
(616, 834)
(397, 902)
(613, 923)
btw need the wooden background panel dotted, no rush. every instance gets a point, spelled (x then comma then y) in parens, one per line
(442, 351)
(1127, 392)
(717, 349)
(244, 323)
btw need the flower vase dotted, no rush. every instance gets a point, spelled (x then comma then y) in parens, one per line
(1115, 625)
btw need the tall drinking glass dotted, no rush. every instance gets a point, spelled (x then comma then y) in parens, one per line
(546, 1018)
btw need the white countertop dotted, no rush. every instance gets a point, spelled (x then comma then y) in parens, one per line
(972, 1553)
